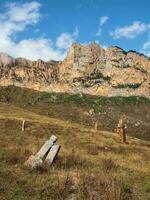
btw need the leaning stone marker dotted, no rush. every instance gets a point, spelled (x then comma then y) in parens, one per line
(52, 153)
(45, 148)
(49, 148)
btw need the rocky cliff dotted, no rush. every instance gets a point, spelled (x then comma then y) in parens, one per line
(86, 69)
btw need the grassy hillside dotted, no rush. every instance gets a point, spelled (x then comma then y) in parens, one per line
(76, 108)
(92, 164)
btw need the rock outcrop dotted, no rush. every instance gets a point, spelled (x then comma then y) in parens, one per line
(86, 69)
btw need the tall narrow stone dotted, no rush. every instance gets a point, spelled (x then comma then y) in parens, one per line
(23, 125)
(52, 153)
(45, 148)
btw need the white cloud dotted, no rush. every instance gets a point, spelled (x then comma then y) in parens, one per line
(104, 46)
(147, 53)
(101, 45)
(27, 13)
(38, 48)
(130, 32)
(146, 47)
(103, 20)
(16, 18)
(66, 39)
(99, 32)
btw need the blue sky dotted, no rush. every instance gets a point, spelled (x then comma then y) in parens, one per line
(46, 28)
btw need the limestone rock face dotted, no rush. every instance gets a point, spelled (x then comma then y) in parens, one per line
(80, 61)
(86, 69)
(36, 75)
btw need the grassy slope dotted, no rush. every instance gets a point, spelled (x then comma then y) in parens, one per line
(92, 164)
(75, 108)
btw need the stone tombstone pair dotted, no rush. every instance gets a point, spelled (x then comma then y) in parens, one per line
(48, 152)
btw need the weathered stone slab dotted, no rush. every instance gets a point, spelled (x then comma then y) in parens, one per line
(33, 162)
(52, 153)
(45, 148)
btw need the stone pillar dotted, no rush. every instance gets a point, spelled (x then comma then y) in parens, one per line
(52, 154)
(45, 148)
(96, 125)
(23, 125)
(121, 131)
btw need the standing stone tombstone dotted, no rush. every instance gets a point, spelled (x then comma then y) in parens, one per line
(23, 125)
(96, 125)
(52, 154)
(45, 148)
(121, 130)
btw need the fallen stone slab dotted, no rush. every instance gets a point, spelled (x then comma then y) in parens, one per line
(45, 148)
(52, 154)
(33, 162)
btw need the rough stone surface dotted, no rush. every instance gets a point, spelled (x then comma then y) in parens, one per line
(33, 162)
(52, 153)
(86, 69)
(45, 148)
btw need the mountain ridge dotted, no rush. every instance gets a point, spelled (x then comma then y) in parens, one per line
(88, 69)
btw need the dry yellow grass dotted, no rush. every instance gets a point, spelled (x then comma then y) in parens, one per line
(86, 156)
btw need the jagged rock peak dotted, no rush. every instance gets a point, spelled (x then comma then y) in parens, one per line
(116, 49)
(81, 55)
(93, 46)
